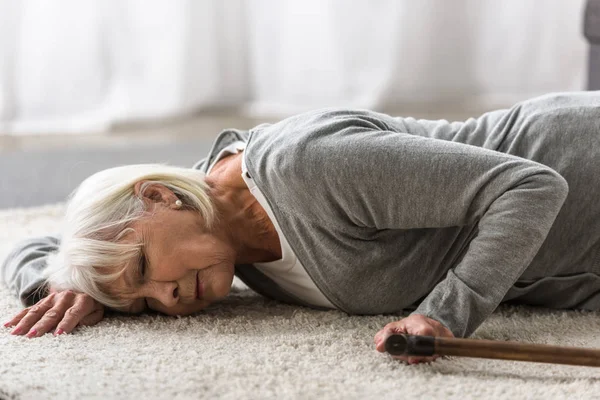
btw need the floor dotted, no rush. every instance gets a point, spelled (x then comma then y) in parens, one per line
(43, 169)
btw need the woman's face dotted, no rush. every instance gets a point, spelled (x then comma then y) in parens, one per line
(185, 268)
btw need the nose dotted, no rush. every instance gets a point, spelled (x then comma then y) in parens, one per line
(168, 294)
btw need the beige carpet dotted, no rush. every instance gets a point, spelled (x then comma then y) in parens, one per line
(252, 348)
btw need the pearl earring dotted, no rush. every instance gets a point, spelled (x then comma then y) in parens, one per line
(178, 203)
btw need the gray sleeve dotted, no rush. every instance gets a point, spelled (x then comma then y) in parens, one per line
(224, 139)
(392, 180)
(22, 269)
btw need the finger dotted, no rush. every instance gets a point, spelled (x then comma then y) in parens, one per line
(389, 330)
(418, 360)
(421, 328)
(15, 320)
(48, 321)
(383, 330)
(401, 358)
(51, 315)
(413, 359)
(377, 337)
(93, 318)
(64, 300)
(84, 305)
(32, 315)
(380, 344)
(394, 327)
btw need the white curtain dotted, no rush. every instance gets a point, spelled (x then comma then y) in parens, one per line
(83, 65)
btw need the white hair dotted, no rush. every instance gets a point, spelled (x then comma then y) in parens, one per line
(99, 213)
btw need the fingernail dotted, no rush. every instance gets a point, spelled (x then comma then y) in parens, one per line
(16, 331)
(31, 333)
(7, 324)
(58, 332)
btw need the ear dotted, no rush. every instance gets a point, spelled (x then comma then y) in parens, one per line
(155, 193)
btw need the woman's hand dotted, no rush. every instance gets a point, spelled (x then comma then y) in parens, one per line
(63, 310)
(415, 324)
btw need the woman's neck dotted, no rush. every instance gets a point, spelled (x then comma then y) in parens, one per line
(241, 217)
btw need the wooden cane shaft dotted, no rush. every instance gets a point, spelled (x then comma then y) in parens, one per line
(480, 348)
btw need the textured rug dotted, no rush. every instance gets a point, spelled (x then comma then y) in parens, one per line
(248, 347)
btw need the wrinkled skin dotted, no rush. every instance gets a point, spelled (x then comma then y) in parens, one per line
(63, 310)
(415, 324)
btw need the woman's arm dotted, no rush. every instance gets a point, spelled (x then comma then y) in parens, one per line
(22, 269)
(22, 272)
(390, 180)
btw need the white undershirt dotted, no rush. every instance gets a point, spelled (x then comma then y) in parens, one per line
(287, 272)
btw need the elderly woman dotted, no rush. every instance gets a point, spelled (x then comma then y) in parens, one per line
(339, 209)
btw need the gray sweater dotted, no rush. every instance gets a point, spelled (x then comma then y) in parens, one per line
(446, 219)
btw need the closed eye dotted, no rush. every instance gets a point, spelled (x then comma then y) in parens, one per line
(142, 268)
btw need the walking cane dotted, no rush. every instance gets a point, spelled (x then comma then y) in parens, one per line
(415, 345)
